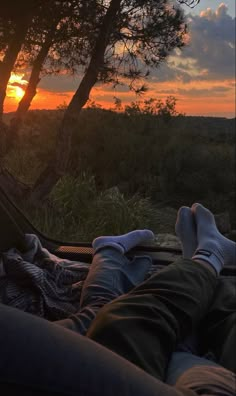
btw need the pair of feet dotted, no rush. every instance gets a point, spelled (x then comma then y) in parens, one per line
(198, 234)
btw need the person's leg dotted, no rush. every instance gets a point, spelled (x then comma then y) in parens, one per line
(111, 274)
(40, 358)
(146, 325)
(218, 330)
(186, 231)
(219, 327)
(220, 333)
(181, 362)
(208, 380)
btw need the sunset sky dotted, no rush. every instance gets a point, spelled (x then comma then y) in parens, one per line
(201, 76)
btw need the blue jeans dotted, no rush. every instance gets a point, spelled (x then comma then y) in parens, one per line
(111, 275)
(180, 362)
(186, 357)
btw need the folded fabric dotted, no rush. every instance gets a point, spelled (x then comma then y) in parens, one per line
(41, 283)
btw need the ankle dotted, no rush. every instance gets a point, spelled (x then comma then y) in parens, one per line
(206, 265)
(213, 259)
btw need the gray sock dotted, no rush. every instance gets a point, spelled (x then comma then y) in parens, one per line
(212, 247)
(185, 229)
(123, 242)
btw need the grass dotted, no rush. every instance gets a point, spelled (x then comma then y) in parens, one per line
(78, 212)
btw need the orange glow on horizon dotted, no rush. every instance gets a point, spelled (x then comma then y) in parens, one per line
(206, 98)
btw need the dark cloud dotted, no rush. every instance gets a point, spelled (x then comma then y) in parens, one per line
(62, 83)
(231, 84)
(213, 43)
(210, 54)
(169, 72)
(204, 92)
(63, 94)
(168, 92)
(17, 84)
(117, 89)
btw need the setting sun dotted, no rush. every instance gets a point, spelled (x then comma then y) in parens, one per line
(16, 86)
(19, 92)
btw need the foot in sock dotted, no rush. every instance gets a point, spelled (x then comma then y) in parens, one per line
(212, 247)
(123, 242)
(185, 229)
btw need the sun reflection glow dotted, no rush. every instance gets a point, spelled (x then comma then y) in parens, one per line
(19, 92)
(16, 86)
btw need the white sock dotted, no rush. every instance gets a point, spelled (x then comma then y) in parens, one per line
(212, 247)
(124, 242)
(185, 229)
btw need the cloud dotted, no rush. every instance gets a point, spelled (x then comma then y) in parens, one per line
(201, 76)
(18, 84)
(60, 83)
(204, 92)
(212, 37)
(210, 54)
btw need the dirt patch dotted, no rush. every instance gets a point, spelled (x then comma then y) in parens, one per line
(167, 240)
(165, 220)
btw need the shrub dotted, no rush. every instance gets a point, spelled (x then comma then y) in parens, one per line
(23, 164)
(193, 170)
(78, 212)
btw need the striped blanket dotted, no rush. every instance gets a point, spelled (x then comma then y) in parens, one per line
(41, 283)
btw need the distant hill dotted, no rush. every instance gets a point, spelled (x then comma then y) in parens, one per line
(217, 129)
(213, 128)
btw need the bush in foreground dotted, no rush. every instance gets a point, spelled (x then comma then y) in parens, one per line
(77, 212)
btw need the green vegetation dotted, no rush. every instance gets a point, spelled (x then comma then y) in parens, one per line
(78, 212)
(126, 167)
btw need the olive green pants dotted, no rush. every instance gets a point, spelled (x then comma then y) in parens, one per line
(145, 325)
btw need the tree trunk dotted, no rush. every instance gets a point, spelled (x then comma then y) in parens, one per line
(15, 189)
(30, 91)
(10, 57)
(58, 164)
(3, 134)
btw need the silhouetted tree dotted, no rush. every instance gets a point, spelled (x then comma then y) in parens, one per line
(17, 17)
(121, 40)
(60, 38)
(133, 36)
(51, 28)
